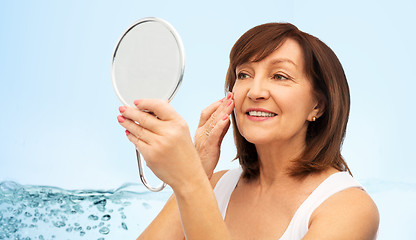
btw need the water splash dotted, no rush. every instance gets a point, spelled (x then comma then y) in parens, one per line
(44, 212)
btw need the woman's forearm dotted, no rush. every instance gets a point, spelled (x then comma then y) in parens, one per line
(201, 218)
(167, 224)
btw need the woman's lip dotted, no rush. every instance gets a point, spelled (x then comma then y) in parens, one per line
(258, 119)
(259, 110)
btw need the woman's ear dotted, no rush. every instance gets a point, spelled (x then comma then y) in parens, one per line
(318, 109)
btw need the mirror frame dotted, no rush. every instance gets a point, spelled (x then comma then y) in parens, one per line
(181, 71)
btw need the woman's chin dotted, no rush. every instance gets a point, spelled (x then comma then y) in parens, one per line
(256, 139)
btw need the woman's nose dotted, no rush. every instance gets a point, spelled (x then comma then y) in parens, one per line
(258, 90)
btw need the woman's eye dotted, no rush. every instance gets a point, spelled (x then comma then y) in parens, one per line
(280, 77)
(242, 75)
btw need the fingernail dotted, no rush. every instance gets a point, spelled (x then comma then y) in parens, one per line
(225, 117)
(228, 95)
(127, 132)
(222, 100)
(136, 102)
(229, 103)
(120, 118)
(122, 109)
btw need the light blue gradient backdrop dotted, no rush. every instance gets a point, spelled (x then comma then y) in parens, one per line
(58, 109)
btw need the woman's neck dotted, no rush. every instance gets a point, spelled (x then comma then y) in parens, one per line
(276, 159)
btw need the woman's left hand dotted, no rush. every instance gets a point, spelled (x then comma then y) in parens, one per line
(164, 141)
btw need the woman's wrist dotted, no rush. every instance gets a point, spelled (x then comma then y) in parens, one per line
(192, 185)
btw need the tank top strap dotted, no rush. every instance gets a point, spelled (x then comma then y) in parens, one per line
(225, 187)
(335, 183)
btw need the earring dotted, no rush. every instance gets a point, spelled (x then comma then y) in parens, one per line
(313, 119)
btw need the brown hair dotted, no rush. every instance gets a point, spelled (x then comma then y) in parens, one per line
(324, 136)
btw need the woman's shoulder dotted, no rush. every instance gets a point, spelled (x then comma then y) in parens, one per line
(351, 213)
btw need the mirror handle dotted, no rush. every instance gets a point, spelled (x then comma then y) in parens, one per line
(143, 178)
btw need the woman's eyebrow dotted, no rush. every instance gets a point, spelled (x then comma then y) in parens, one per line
(244, 65)
(283, 60)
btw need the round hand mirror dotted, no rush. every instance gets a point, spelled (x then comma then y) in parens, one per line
(148, 62)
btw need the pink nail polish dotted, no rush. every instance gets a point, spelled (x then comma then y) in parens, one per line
(225, 117)
(122, 109)
(228, 95)
(127, 132)
(136, 102)
(120, 118)
(229, 103)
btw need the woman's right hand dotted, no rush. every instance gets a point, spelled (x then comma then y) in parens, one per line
(213, 125)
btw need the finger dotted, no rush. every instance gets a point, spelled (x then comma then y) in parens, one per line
(213, 109)
(136, 130)
(224, 109)
(224, 131)
(138, 143)
(230, 107)
(161, 108)
(144, 119)
(207, 112)
(218, 132)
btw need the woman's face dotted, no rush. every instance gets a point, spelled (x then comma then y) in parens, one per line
(274, 99)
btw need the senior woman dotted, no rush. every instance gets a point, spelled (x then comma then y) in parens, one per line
(289, 100)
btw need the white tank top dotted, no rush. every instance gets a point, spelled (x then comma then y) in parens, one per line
(298, 226)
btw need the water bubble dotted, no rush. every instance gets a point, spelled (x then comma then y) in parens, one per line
(59, 224)
(93, 217)
(100, 204)
(17, 212)
(77, 209)
(41, 237)
(123, 216)
(82, 233)
(104, 230)
(106, 217)
(101, 224)
(123, 224)
(12, 220)
(88, 227)
(100, 239)
(33, 204)
(69, 229)
(34, 220)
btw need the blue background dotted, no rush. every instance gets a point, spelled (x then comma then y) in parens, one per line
(58, 109)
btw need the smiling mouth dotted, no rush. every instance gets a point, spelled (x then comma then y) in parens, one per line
(260, 114)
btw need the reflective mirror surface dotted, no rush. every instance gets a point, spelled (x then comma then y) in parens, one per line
(148, 61)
